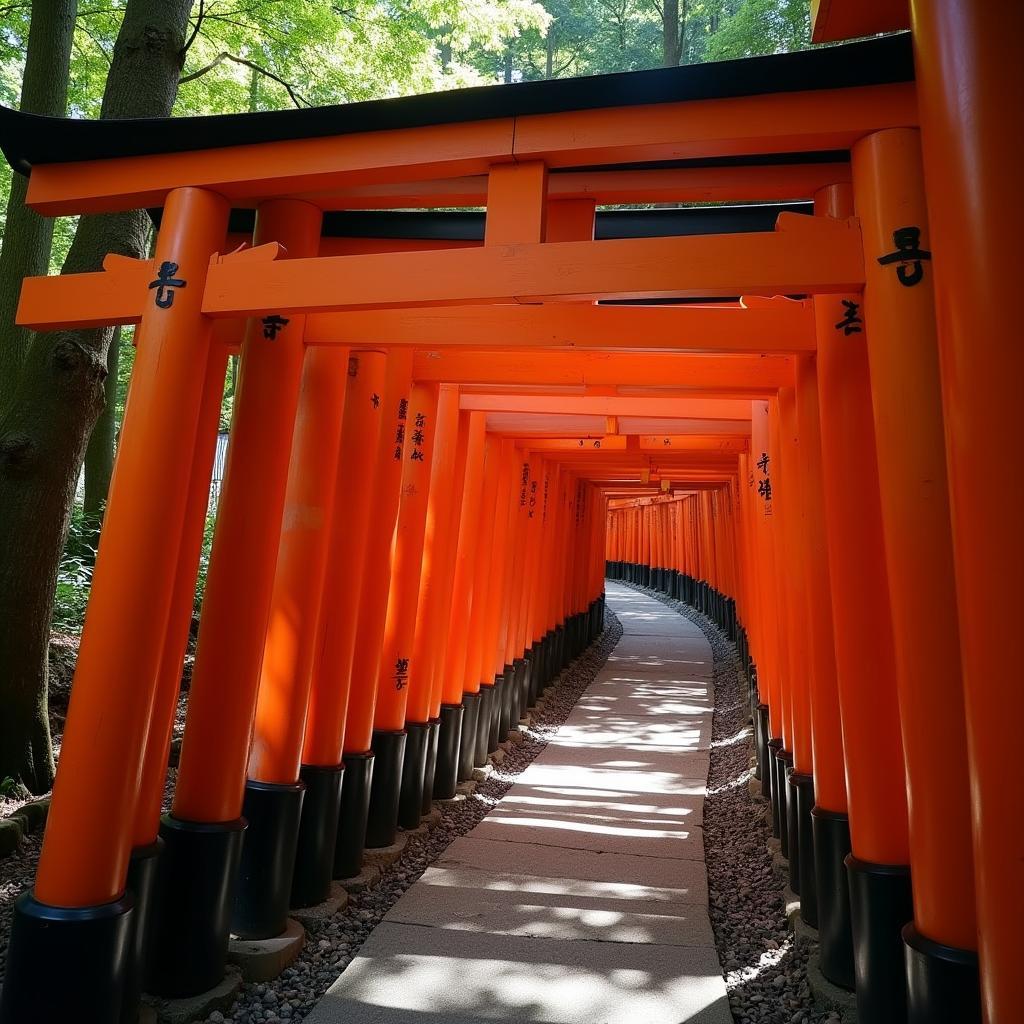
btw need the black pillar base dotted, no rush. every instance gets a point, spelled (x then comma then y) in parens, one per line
(430, 770)
(515, 692)
(835, 933)
(774, 746)
(318, 832)
(880, 905)
(494, 724)
(352, 814)
(762, 750)
(195, 885)
(536, 660)
(802, 792)
(386, 788)
(783, 762)
(414, 770)
(792, 850)
(142, 876)
(67, 964)
(471, 705)
(760, 746)
(265, 872)
(942, 981)
(505, 711)
(520, 682)
(446, 775)
(484, 716)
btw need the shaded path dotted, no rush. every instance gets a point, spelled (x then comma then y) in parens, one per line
(583, 895)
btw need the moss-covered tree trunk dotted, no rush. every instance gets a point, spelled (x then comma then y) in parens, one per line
(59, 394)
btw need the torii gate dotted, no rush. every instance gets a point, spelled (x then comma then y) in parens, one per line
(517, 312)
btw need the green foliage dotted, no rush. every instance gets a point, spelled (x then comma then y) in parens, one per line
(10, 788)
(762, 26)
(74, 576)
(204, 560)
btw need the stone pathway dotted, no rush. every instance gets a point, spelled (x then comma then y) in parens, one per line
(582, 897)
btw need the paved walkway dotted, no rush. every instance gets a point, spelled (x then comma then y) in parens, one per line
(582, 897)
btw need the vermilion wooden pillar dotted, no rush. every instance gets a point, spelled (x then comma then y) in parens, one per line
(875, 828)
(196, 883)
(789, 663)
(829, 781)
(906, 397)
(88, 837)
(447, 476)
(492, 638)
(147, 844)
(366, 663)
(391, 738)
(274, 792)
(476, 677)
(158, 740)
(459, 708)
(323, 768)
(970, 84)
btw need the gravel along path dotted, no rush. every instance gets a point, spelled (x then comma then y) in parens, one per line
(765, 972)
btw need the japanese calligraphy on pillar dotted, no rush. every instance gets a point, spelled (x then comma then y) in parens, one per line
(403, 415)
(533, 498)
(764, 485)
(272, 325)
(851, 321)
(165, 284)
(524, 482)
(908, 256)
(401, 673)
(418, 436)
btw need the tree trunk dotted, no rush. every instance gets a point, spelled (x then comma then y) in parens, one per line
(99, 455)
(671, 36)
(59, 396)
(508, 65)
(549, 56)
(26, 248)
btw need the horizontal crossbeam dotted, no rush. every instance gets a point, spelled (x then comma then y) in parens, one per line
(776, 325)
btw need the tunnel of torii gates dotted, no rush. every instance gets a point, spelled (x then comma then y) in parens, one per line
(451, 426)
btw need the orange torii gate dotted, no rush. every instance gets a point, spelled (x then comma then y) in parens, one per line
(375, 343)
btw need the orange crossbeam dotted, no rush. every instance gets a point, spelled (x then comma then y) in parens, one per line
(802, 256)
(661, 370)
(775, 325)
(610, 405)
